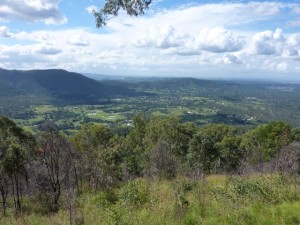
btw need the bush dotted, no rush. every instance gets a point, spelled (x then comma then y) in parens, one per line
(273, 189)
(135, 193)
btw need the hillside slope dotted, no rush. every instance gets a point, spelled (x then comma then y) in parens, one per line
(57, 86)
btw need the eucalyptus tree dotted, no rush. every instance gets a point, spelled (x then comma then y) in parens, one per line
(205, 149)
(112, 7)
(264, 142)
(56, 170)
(16, 150)
(4, 188)
(91, 144)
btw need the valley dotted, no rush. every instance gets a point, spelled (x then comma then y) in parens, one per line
(239, 103)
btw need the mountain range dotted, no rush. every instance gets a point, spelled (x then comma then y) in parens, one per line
(43, 86)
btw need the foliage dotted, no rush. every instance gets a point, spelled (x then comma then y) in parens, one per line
(242, 104)
(264, 142)
(15, 152)
(112, 8)
(288, 159)
(227, 201)
(55, 166)
(205, 150)
(56, 87)
(159, 167)
(100, 155)
(135, 193)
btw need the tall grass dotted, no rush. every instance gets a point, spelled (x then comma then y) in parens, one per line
(218, 199)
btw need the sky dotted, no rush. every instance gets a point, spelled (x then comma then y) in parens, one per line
(186, 38)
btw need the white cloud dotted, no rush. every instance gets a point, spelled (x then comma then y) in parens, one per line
(216, 39)
(231, 59)
(282, 66)
(46, 11)
(47, 50)
(182, 51)
(78, 41)
(161, 37)
(192, 40)
(267, 43)
(90, 9)
(293, 40)
(219, 40)
(4, 32)
(290, 53)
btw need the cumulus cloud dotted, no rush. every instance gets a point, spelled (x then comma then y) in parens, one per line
(78, 41)
(216, 39)
(161, 37)
(4, 32)
(293, 40)
(219, 40)
(47, 50)
(231, 59)
(182, 51)
(193, 40)
(267, 43)
(46, 11)
(275, 44)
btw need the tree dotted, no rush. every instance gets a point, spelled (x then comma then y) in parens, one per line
(4, 188)
(16, 150)
(91, 143)
(288, 159)
(264, 142)
(14, 166)
(204, 151)
(135, 146)
(55, 168)
(112, 8)
(162, 161)
(231, 154)
(4, 179)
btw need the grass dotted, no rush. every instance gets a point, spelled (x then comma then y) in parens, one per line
(216, 200)
(99, 114)
(41, 109)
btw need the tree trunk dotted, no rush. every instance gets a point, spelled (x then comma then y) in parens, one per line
(4, 196)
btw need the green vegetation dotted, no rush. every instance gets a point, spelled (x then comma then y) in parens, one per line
(234, 103)
(54, 87)
(186, 151)
(162, 171)
(212, 200)
(112, 8)
(35, 99)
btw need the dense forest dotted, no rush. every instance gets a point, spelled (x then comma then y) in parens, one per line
(187, 173)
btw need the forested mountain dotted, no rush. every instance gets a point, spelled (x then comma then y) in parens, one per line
(56, 86)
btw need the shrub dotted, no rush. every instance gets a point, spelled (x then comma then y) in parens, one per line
(135, 193)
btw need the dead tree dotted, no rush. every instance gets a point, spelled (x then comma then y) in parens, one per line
(56, 169)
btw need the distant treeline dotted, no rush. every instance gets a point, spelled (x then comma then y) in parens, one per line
(46, 167)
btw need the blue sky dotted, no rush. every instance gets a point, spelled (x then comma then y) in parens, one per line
(211, 39)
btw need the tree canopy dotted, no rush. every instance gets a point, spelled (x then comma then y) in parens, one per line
(112, 8)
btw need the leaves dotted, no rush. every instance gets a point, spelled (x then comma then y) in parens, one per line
(112, 8)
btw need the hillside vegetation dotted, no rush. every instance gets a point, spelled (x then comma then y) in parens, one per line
(55, 86)
(162, 171)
